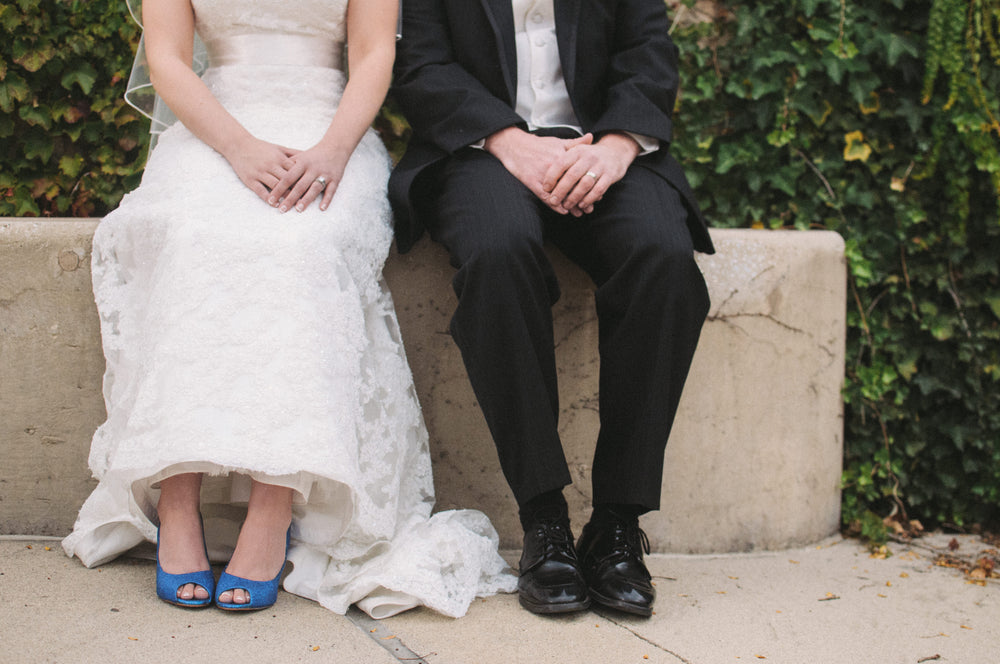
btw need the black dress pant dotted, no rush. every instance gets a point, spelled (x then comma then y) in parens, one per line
(651, 302)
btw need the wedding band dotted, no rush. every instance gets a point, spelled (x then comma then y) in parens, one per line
(322, 182)
(592, 174)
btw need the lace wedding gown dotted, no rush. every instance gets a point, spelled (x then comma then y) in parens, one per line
(244, 343)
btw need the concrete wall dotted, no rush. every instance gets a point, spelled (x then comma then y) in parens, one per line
(754, 461)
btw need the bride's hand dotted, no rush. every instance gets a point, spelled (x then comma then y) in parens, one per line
(259, 165)
(310, 174)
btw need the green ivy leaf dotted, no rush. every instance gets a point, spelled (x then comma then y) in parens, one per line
(71, 165)
(33, 60)
(994, 304)
(809, 6)
(24, 204)
(13, 89)
(84, 76)
(897, 46)
(10, 19)
(38, 145)
(40, 115)
(843, 50)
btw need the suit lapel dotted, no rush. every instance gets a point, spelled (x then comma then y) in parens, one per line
(567, 13)
(501, 17)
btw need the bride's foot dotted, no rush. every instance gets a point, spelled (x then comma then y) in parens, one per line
(180, 539)
(182, 551)
(260, 550)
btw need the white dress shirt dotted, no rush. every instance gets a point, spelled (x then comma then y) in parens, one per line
(542, 98)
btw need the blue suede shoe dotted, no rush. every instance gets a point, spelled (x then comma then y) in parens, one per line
(262, 593)
(167, 584)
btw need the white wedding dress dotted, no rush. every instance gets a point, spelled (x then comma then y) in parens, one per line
(245, 343)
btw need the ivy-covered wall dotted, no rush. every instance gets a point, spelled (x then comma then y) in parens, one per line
(875, 119)
(69, 145)
(878, 120)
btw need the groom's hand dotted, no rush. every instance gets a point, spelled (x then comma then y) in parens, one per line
(580, 178)
(529, 157)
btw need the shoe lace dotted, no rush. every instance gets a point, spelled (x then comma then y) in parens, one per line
(556, 535)
(554, 531)
(629, 541)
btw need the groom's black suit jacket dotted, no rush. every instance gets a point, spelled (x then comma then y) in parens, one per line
(455, 79)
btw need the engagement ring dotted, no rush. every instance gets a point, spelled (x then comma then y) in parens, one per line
(322, 182)
(592, 174)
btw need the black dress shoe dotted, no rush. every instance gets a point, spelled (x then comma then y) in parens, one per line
(611, 559)
(550, 580)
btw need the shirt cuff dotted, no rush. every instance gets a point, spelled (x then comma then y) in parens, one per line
(647, 144)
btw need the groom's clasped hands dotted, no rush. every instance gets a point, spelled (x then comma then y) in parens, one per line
(569, 175)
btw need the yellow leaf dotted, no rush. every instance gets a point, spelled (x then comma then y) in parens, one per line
(872, 106)
(856, 148)
(880, 553)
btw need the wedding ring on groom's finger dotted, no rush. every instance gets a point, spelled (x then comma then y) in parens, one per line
(592, 174)
(321, 181)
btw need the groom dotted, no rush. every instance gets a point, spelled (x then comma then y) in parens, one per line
(550, 120)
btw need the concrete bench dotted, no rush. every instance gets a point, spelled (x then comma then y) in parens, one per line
(754, 461)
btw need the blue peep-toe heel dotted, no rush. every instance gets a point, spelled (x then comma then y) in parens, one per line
(167, 584)
(262, 594)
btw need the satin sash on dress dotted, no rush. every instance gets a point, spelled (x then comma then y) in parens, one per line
(274, 49)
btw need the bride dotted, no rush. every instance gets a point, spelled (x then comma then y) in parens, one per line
(259, 402)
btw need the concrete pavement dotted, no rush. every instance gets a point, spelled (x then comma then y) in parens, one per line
(826, 603)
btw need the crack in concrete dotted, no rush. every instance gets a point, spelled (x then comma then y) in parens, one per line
(607, 616)
(725, 318)
(573, 329)
(380, 634)
(581, 492)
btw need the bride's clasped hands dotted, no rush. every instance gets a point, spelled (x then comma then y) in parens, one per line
(310, 175)
(258, 164)
(286, 178)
